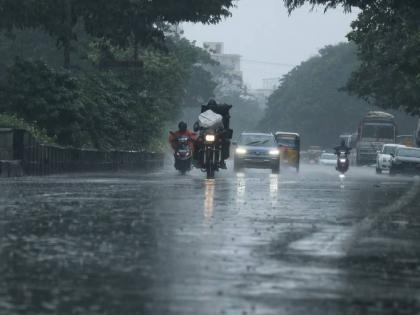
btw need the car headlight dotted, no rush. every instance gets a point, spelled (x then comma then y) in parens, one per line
(210, 138)
(274, 152)
(241, 151)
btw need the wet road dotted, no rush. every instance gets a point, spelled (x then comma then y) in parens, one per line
(251, 243)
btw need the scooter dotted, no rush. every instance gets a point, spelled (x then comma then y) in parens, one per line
(343, 162)
(183, 155)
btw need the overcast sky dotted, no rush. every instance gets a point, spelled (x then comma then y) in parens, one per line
(262, 30)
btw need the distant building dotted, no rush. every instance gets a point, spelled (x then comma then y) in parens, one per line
(269, 86)
(232, 62)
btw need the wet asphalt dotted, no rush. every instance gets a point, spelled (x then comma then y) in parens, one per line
(247, 243)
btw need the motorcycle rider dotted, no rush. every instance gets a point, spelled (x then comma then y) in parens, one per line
(226, 134)
(182, 132)
(342, 147)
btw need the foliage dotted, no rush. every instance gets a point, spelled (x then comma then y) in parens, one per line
(387, 33)
(105, 108)
(200, 83)
(309, 100)
(117, 104)
(230, 89)
(43, 96)
(389, 48)
(11, 121)
(121, 22)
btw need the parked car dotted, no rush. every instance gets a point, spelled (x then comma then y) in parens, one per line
(383, 158)
(257, 150)
(328, 159)
(405, 161)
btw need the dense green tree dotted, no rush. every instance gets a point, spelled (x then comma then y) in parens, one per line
(387, 35)
(113, 101)
(122, 22)
(310, 100)
(116, 108)
(47, 97)
(389, 48)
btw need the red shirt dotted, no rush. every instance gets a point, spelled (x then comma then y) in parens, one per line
(174, 135)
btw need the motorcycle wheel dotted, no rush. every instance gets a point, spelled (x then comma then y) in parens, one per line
(210, 171)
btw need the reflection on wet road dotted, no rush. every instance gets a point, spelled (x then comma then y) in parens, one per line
(246, 243)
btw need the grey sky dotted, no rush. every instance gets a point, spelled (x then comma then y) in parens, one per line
(262, 30)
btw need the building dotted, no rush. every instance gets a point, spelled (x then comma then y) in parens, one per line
(232, 62)
(269, 86)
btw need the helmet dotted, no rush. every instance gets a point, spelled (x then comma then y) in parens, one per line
(212, 102)
(182, 126)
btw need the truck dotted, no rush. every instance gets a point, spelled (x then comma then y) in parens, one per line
(375, 129)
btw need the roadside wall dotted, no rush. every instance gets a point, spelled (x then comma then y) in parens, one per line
(21, 154)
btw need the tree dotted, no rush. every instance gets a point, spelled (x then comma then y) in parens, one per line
(122, 22)
(48, 98)
(310, 99)
(387, 35)
(389, 48)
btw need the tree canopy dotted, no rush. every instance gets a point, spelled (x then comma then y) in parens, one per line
(129, 76)
(121, 22)
(310, 100)
(387, 36)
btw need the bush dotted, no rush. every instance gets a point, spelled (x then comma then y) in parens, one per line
(11, 121)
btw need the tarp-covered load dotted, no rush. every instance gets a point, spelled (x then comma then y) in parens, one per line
(379, 115)
(210, 120)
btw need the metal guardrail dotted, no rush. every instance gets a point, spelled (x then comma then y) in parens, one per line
(42, 159)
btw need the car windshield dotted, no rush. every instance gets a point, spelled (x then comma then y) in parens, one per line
(378, 131)
(257, 140)
(286, 141)
(414, 153)
(388, 150)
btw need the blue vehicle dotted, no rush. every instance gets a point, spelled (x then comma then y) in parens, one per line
(257, 150)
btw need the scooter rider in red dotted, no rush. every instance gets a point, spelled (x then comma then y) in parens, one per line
(182, 132)
(182, 142)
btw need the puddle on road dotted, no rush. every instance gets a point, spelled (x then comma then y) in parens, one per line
(331, 241)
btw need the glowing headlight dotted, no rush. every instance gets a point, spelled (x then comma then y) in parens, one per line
(343, 160)
(241, 151)
(274, 152)
(210, 138)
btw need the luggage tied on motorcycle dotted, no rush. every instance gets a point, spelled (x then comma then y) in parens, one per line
(210, 120)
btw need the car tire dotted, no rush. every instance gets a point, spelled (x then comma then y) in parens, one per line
(378, 170)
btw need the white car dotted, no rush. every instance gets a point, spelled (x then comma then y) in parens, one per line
(328, 159)
(383, 157)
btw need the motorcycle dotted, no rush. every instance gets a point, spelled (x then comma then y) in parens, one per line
(183, 155)
(343, 162)
(211, 153)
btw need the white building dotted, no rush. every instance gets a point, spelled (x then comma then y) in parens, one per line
(269, 86)
(231, 61)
